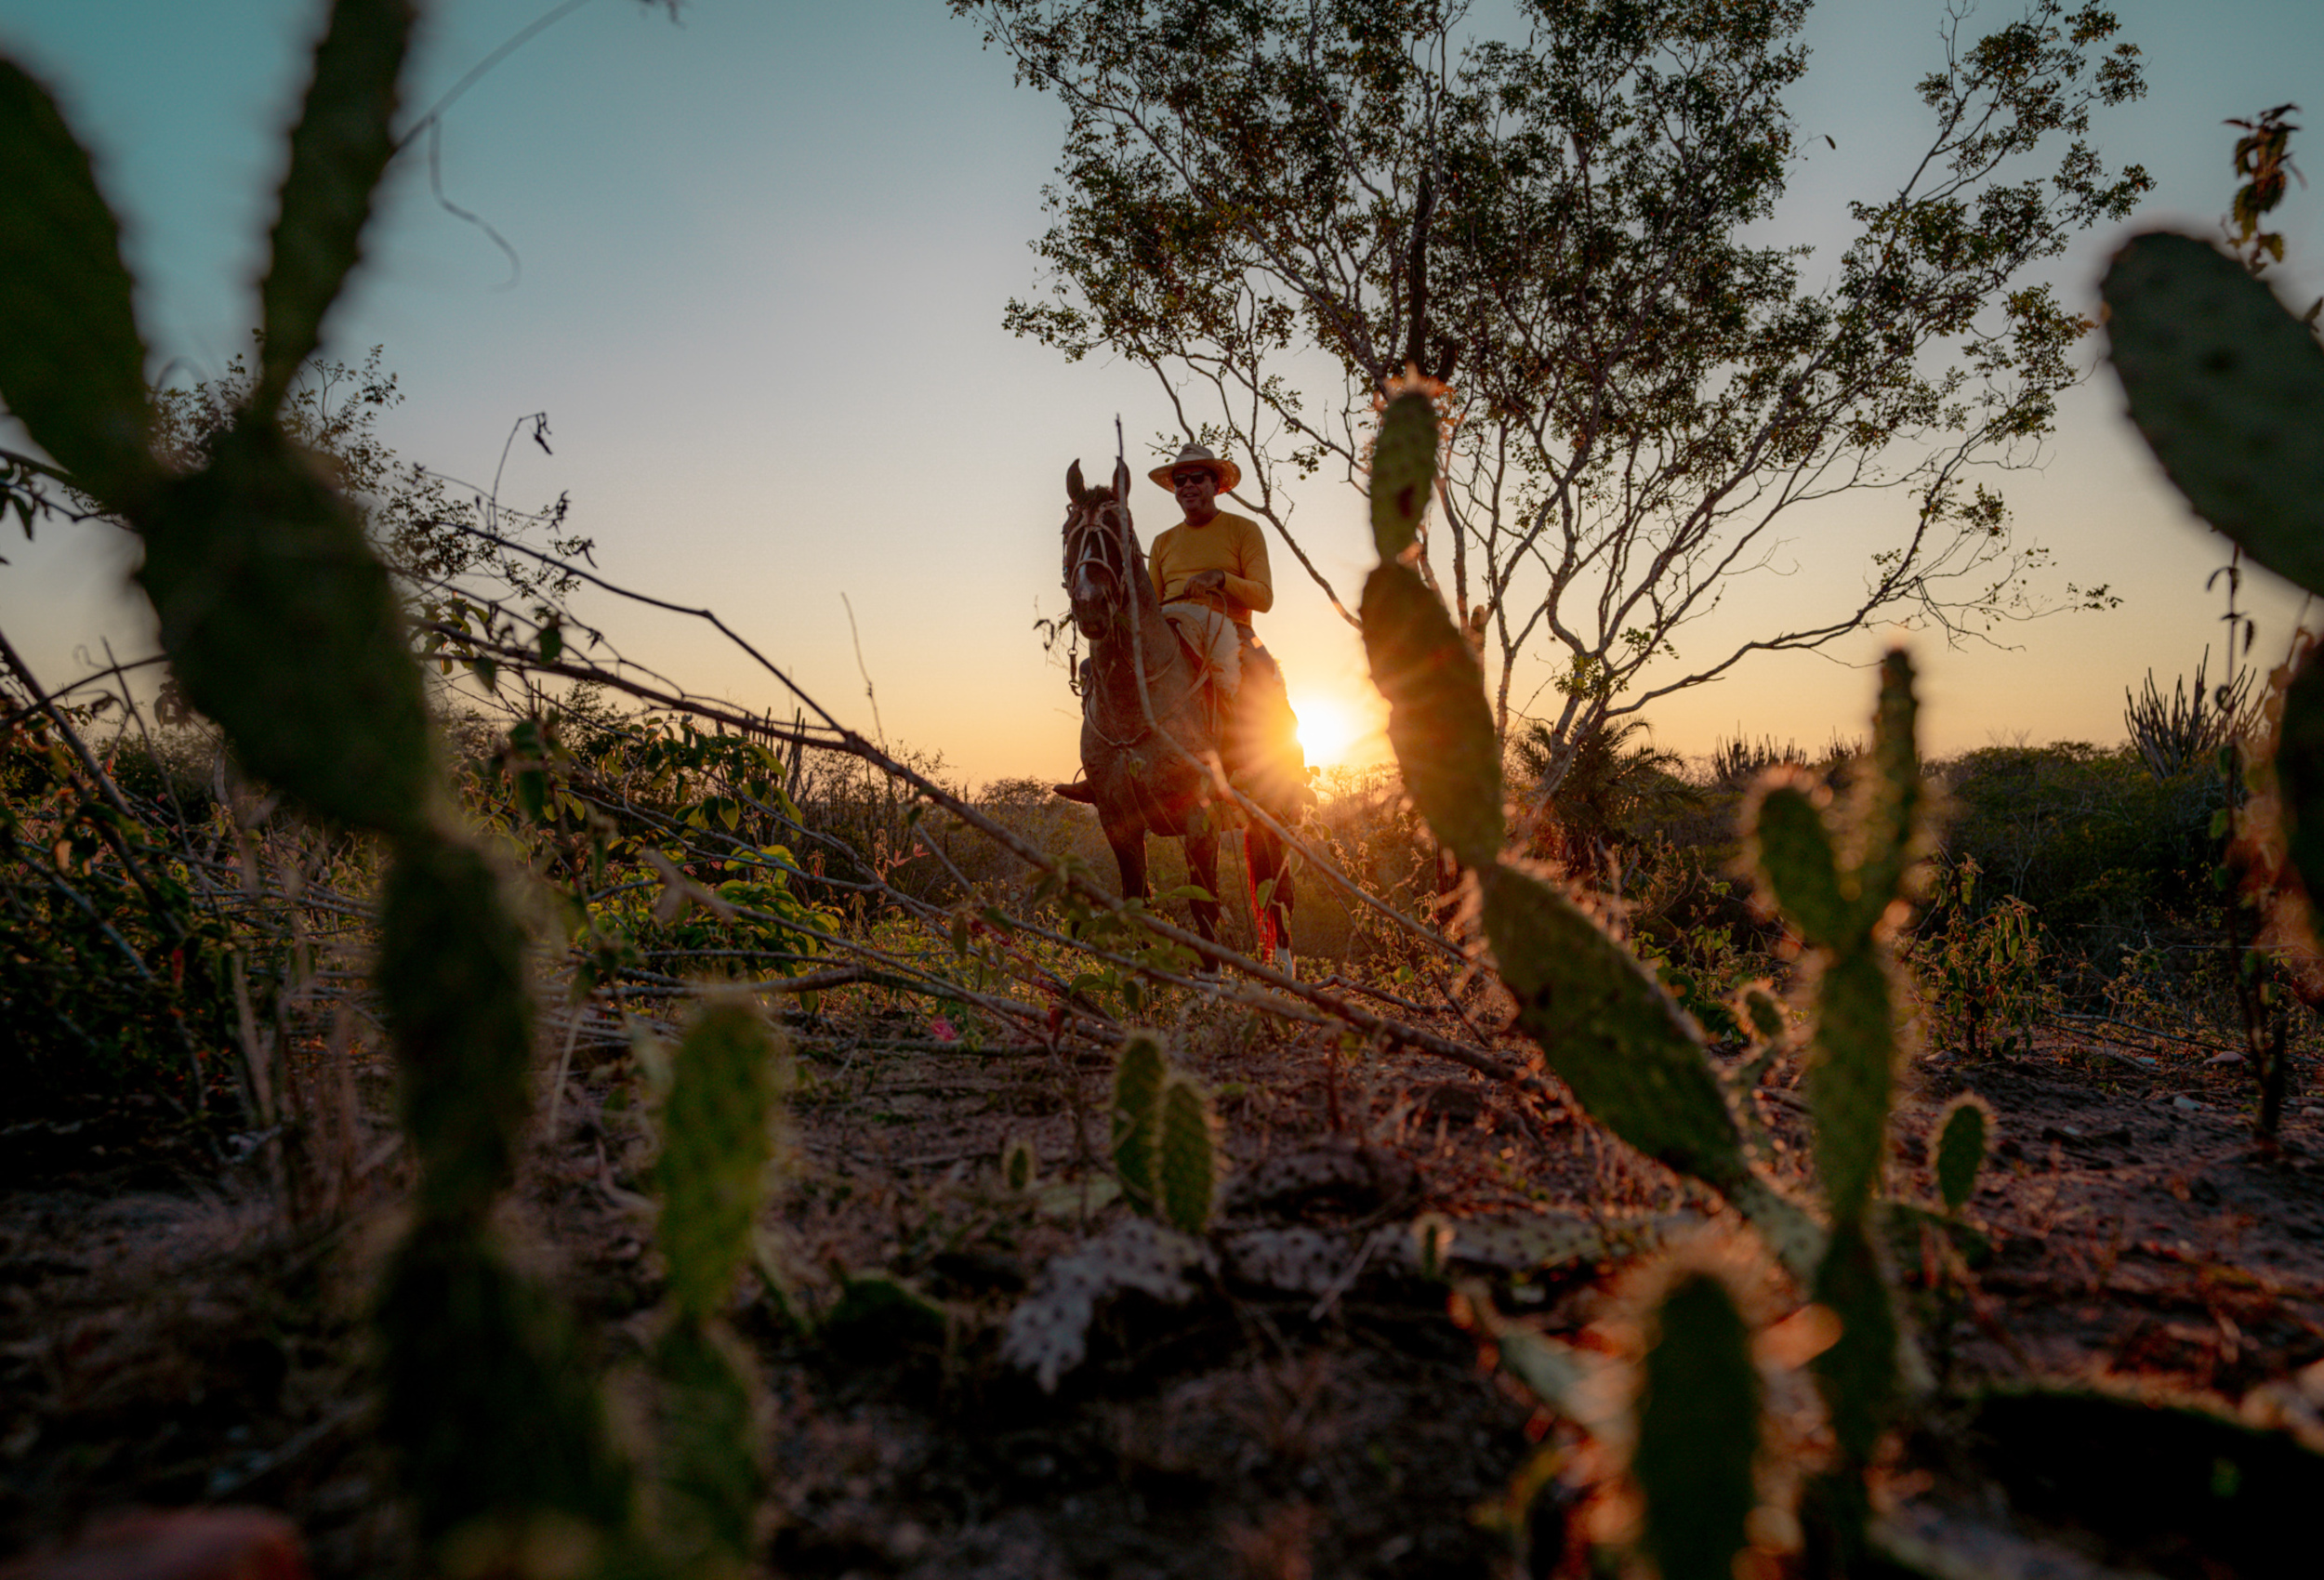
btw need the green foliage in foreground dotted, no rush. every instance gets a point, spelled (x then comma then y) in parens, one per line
(282, 625)
(1963, 1132)
(2227, 387)
(1166, 1152)
(1631, 1057)
(1698, 1428)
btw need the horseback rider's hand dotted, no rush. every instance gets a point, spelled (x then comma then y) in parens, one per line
(1205, 582)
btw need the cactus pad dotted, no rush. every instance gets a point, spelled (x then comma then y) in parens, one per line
(1139, 1073)
(1609, 1029)
(1404, 473)
(1963, 1135)
(1857, 1375)
(2225, 385)
(714, 1149)
(1186, 1162)
(451, 973)
(282, 627)
(71, 366)
(1698, 1428)
(1437, 719)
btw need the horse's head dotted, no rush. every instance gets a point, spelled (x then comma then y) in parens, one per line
(1102, 560)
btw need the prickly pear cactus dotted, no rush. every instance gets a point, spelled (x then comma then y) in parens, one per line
(1842, 909)
(717, 1143)
(1187, 1173)
(1630, 1055)
(1843, 889)
(1611, 1031)
(716, 1146)
(282, 625)
(1699, 1429)
(1140, 1072)
(1963, 1131)
(2226, 385)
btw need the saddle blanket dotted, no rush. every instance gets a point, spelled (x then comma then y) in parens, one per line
(1211, 638)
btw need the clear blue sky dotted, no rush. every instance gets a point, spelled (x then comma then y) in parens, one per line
(764, 257)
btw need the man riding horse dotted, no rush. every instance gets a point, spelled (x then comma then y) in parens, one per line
(1219, 560)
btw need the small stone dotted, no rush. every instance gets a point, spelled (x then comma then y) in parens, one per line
(2190, 1105)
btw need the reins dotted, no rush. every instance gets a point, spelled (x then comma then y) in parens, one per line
(1115, 537)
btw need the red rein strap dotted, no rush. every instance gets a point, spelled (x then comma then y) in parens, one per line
(1263, 920)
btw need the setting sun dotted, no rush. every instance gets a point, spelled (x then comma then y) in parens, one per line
(1328, 727)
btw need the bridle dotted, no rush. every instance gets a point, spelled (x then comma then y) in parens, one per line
(1097, 545)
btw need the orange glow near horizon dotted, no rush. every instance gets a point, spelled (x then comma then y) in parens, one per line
(1328, 727)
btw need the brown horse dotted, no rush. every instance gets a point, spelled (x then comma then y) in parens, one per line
(1151, 721)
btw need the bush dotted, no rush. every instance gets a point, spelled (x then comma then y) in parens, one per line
(2107, 854)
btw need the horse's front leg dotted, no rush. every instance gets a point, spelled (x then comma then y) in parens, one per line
(1130, 855)
(1202, 865)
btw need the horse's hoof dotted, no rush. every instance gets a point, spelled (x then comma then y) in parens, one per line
(1288, 963)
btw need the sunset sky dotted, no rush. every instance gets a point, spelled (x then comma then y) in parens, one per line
(764, 257)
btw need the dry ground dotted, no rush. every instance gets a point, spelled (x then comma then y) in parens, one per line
(165, 1339)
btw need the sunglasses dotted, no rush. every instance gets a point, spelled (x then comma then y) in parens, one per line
(1181, 480)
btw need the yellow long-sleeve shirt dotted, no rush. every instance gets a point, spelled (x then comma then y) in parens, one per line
(1232, 543)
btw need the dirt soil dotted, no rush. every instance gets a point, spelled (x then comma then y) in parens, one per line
(168, 1338)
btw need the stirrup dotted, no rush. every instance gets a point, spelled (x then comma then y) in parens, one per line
(1079, 790)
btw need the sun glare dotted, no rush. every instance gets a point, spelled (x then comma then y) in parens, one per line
(1328, 727)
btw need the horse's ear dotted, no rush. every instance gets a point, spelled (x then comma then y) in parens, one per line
(1074, 486)
(1121, 480)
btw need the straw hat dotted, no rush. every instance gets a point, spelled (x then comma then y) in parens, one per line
(1227, 472)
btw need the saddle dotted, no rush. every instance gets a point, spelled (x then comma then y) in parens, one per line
(1210, 638)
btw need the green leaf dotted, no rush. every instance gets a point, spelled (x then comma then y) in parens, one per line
(1609, 1030)
(1961, 1145)
(1699, 1429)
(2226, 385)
(1404, 473)
(1437, 718)
(72, 367)
(282, 627)
(337, 150)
